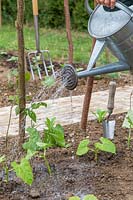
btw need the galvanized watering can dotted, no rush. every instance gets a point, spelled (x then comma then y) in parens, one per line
(113, 30)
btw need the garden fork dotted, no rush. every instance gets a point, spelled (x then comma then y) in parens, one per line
(38, 58)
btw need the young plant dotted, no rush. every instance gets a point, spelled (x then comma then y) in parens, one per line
(100, 115)
(34, 137)
(54, 134)
(30, 111)
(23, 170)
(45, 146)
(128, 123)
(87, 197)
(12, 59)
(104, 145)
(3, 161)
(12, 78)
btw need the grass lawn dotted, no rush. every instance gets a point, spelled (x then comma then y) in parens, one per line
(54, 40)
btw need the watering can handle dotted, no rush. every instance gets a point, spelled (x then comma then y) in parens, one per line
(88, 8)
(123, 7)
(118, 4)
(35, 7)
(112, 89)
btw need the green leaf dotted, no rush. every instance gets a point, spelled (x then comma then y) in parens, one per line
(90, 197)
(49, 81)
(3, 53)
(38, 105)
(32, 115)
(30, 154)
(44, 145)
(74, 198)
(27, 76)
(13, 58)
(23, 171)
(2, 158)
(83, 147)
(106, 145)
(58, 135)
(100, 115)
(14, 99)
(114, 75)
(54, 134)
(128, 121)
(50, 123)
(17, 110)
(33, 139)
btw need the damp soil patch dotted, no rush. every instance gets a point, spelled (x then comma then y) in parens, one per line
(111, 178)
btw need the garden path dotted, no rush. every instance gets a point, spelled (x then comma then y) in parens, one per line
(67, 112)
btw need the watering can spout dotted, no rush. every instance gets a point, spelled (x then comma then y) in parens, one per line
(70, 76)
(110, 68)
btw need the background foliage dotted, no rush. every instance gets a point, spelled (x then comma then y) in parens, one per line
(51, 13)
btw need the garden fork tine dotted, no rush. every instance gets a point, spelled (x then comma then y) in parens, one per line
(38, 52)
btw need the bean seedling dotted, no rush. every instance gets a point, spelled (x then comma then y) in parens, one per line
(100, 115)
(54, 133)
(128, 123)
(23, 170)
(104, 145)
(3, 161)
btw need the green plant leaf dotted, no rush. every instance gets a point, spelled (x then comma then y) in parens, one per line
(23, 171)
(2, 158)
(106, 145)
(3, 53)
(74, 198)
(44, 145)
(27, 76)
(31, 114)
(49, 81)
(114, 75)
(38, 105)
(128, 121)
(17, 110)
(30, 154)
(14, 99)
(90, 197)
(83, 147)
(54, 134)
(33, 139)
(100, 115)
(13, 58)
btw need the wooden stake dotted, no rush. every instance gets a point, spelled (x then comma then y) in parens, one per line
(68, 30)
(0, 13)
(21, 69)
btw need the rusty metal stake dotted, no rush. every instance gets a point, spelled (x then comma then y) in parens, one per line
(87, 98)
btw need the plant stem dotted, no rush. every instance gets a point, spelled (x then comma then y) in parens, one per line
(129, 139)
(47, 163)
(9, 122)
(96, 155)
(7, 173)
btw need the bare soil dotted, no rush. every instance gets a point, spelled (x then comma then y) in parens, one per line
(111, 178)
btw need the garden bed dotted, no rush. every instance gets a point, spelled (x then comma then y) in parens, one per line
(111, 178)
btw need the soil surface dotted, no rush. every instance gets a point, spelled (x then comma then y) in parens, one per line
(111, 178)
